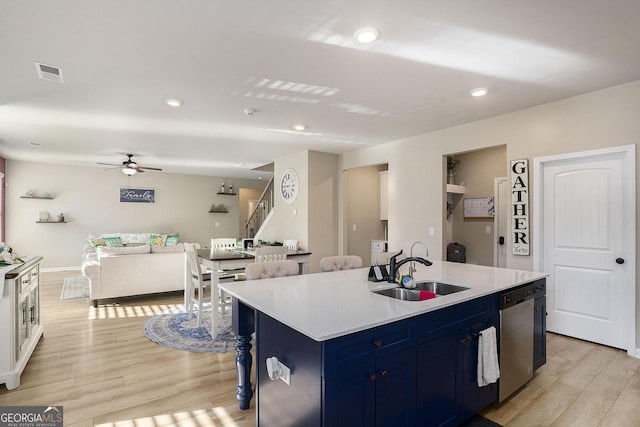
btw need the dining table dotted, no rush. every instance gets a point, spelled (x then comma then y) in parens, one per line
(218, 259)
(242, 316)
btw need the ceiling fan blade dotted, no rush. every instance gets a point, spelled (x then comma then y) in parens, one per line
(148, 168)
(108, 164)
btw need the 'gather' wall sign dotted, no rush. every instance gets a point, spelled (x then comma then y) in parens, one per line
(520, 203)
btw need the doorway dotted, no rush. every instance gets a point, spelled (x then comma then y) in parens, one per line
(501, 191)
(584, 230)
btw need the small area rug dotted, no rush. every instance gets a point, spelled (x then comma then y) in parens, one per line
(75, 287)
(179, 331)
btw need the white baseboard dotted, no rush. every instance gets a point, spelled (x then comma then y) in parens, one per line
(54, 269)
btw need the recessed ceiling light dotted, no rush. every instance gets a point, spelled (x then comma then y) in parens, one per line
(480, 91)
(173, 102)
(299, 127)
(367, 35)
(239, 165)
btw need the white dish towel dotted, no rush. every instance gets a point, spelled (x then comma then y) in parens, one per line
(488, 369)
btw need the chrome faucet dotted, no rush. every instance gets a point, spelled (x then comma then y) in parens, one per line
(393, 265)
(412, 267)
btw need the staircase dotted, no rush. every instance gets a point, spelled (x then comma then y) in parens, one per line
(261, 214)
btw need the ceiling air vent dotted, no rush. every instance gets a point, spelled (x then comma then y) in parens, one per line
(49, 72)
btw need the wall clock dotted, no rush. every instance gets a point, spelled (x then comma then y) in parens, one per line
(289, 185)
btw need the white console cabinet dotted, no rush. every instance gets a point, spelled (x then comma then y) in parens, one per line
(20, 327)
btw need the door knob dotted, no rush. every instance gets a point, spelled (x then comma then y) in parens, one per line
(619, 260)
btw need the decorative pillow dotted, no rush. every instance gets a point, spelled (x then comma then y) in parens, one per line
(157, 239)
(172, 239)
(165, 249)
(113, 242)
(107, 251)
(97, 241)
(131, 238)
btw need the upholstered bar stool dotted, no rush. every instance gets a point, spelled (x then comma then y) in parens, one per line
(342, 262)
(270, 269)
(271, 253)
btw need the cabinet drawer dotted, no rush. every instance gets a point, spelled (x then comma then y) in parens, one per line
(361, 347)
(25, 281)
(434, 324)
(541, 288)
(35, 272)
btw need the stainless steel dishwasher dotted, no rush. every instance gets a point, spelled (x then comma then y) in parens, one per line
(516, 339)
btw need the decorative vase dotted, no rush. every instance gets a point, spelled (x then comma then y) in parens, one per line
(451, 178)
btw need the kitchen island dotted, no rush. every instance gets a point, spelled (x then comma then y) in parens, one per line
(359, 358)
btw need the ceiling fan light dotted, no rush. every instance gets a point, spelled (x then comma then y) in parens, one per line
(129, 171)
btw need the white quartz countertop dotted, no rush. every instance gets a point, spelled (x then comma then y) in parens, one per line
(329, 305)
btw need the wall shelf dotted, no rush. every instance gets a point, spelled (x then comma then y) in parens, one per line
(51, 222)
(36, 197)
(226, 194)
(455, 189)
(218, 211)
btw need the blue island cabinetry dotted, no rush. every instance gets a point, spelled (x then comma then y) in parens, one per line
(415, 372)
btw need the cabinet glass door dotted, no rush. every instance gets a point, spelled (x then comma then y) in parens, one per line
(23, 323)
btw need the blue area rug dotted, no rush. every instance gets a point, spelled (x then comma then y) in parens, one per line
(179, 331)
(75, 287)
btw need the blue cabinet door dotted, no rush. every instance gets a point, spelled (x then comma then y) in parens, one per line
(437, 385)
(474, 398)
(539, 332)
(396, 389)
(380, 393)
(350, 397)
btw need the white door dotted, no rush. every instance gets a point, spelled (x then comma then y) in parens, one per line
(502, 194)
(587, 232)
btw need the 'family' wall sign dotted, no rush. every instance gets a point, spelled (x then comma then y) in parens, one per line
(520, 203)
(137, 195)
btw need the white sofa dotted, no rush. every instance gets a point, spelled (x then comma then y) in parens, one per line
(133, 270)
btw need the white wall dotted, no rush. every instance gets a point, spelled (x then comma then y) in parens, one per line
(89, 198)
(600, 119)
(312, 218)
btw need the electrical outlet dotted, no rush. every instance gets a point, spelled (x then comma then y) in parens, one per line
(432, 231)
(216, 224)
(354, 227)
(487, 229)
(286, 373)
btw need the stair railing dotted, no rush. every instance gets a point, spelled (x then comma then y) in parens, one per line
(260, 212)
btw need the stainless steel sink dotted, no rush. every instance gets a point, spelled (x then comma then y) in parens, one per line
(439, 288)
(400, 293)
(414, 294)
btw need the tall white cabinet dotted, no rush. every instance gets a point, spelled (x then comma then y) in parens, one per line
(20, 326)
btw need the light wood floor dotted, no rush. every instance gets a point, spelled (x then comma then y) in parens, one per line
(99, 365)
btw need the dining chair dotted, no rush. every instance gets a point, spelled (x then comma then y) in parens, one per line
(270, 269)
(384, 257)
(270, 253)
(341, 262)
(199, 280)
(291, 245)
(223, 243)
(234, 273)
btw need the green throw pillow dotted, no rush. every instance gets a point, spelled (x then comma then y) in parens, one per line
(172, 240)
(157, 239)
(113, 242)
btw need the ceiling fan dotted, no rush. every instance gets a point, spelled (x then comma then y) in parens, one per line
(129, 167)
